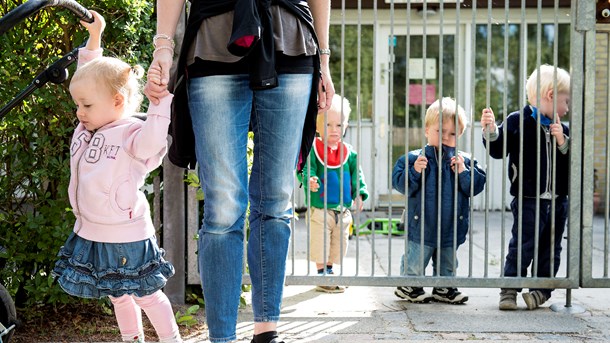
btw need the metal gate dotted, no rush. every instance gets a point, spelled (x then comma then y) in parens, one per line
(478, 54)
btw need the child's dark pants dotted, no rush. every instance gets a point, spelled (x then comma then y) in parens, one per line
(544, 238)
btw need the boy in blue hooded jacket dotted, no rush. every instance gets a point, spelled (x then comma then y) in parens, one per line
(422, 171)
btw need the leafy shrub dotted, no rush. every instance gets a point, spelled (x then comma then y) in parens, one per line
(35, 214)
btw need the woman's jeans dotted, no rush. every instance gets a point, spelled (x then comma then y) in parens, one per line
(415, 267)
(223, 109)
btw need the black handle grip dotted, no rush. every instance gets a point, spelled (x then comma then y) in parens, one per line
(81, 12)
(17, 14)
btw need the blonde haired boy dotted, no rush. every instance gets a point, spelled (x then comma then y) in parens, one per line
(422, 164)
(549, 98)
(333, 167)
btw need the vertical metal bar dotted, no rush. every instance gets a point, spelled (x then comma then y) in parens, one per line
(374, 130)
(504, 138)
(325, 242)
(554, 144)
(308, 221)
(423, 114)
(407, 136)
(473, 38)
(391, 43)
(309, 213)
(441, 92)
(487, 104)
(341, 152)
(356, 218)
(522, 71)
(193, 223)
(582, 62)
(607, 178)
(440, 150)
(538, 147)
(607, 195)
(174, 229)
(456, 90)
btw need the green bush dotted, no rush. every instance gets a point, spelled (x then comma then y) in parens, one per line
(35, 214)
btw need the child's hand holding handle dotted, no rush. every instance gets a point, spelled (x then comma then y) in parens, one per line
(488, 121)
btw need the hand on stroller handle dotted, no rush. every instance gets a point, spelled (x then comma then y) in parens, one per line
(16, 15)
(57, 72)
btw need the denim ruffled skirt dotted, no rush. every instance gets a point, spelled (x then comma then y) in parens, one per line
(95, 270)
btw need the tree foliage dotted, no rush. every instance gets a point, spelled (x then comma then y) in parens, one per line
(356, 84)
(35, 214)
(509, 83)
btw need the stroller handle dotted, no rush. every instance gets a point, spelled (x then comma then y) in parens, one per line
(16, 15)
(56, 73)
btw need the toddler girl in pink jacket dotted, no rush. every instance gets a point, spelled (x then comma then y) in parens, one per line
(113, 251)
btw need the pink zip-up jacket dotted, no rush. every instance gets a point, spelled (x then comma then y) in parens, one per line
(108, 168)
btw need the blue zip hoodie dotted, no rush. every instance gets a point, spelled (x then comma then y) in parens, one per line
(401, 173)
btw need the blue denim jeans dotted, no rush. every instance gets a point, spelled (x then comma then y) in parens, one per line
(414, 267)
(223, 108)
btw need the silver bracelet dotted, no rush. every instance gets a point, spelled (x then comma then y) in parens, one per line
(163, 47)
(163, 36)
(324, 51)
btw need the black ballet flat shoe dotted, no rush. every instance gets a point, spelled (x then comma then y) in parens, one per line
(275, 340)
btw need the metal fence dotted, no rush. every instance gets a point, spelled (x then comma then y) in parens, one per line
(481, 56)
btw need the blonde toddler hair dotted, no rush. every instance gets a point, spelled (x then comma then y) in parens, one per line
(449, 106)
(547, 79)
(117, 77)
(335, 106)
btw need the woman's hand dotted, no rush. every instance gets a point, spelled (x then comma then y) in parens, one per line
(326, 89)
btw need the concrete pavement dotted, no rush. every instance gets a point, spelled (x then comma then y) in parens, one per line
(366, 314)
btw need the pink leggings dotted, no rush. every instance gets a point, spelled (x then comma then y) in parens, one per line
(158, 309)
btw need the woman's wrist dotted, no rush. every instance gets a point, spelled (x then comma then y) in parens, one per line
(163, 49)
(161, 39)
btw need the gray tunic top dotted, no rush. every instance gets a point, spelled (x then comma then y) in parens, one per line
(291, 37)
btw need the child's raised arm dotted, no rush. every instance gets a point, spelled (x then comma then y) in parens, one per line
(96, 28)
(93, 49)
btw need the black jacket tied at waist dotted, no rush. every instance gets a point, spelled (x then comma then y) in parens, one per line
(252, 20)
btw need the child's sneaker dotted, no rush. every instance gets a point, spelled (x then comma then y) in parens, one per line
(534, 299)
(449, 295)
(137, 339)
(330, 289)
(413, 294)
(508, 299)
